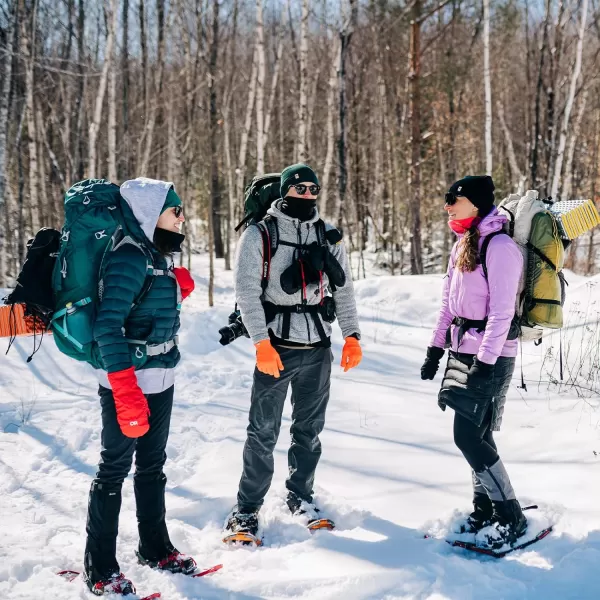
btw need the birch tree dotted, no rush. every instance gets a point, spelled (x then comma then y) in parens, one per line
(569, 105)
(301, 148)
(488, 86)
(260, 89)
(111, 21)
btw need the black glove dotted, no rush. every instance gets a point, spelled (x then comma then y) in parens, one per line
(480, 374)
(432, 362)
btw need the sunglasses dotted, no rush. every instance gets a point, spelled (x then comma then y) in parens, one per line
(178, 211)
(301, 189)
(450, 198)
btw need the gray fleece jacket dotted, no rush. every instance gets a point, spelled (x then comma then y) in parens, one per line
(249, 294)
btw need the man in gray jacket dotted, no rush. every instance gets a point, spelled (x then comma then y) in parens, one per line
(288, 323)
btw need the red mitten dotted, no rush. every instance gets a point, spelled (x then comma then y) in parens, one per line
(130, 402)
(185, 281)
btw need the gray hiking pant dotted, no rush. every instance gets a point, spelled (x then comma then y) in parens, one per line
(309, 372)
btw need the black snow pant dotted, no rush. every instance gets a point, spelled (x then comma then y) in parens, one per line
(477, 442)
(309, 372)
(148, 482)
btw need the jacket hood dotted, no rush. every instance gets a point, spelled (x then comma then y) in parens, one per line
(146, 197)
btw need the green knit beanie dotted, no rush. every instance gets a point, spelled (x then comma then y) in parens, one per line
(172, 200)
(294, 174)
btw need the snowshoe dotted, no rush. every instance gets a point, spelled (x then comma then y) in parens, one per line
(508, 525)
(114, 584)
(174, 563)
(243, 527)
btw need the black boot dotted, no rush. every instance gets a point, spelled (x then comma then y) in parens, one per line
(481, 516)
(102, 528)
(243, 521)
(298, 506)
(155, 544)
(509, 524)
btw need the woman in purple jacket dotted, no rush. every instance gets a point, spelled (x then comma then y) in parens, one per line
(476, 324)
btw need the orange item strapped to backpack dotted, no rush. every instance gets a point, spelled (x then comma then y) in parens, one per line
(13, 322)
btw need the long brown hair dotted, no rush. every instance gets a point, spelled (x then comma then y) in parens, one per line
(468, 250)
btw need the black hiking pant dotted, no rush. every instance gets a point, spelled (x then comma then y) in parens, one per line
(149, 483)
(309, 373)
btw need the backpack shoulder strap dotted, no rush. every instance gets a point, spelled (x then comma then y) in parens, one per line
(321, 234)
(270, 240)
(484, 248)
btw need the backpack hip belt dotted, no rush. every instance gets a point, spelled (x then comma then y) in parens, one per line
(464, 325)
(314, 310)
(156, 349)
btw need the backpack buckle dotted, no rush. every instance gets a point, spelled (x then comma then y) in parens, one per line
(100, 234)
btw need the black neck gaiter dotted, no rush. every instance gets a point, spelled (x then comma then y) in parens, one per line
(167, 241)
(298, 208)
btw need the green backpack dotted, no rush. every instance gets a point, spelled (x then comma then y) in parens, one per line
(97, 220)
(262, 191)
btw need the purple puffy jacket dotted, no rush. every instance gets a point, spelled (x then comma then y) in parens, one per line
(471, 296)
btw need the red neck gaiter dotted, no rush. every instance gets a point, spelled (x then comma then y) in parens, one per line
(463, 225)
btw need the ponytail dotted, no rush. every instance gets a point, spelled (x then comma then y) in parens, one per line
(468, 251)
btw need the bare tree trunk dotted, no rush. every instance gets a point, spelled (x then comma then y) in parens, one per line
(80, 137)
(215, 188)
(274, 81)
(327, 201)
(416, 260)
(488, 86)
(158, 85)
(538, 99)
(567, 114)
(241, 168)
(28, 50)
(230, 183)
(95, 124)
(566, 190)
(126, 144)
(4, 121)
(301, 125)
(144, 48)
(345, 37)
(260, 91)
(112, 119)
(518, 179)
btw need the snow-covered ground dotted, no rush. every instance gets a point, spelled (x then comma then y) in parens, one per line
(389, 473)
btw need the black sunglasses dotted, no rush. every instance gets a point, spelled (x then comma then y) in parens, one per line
(178, 210)
(450, 198)
(301, 189)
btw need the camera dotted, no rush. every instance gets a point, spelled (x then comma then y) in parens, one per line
(234, 330)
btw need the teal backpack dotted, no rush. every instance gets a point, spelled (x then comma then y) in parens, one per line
(97, 221)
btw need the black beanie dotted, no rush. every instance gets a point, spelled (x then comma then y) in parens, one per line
(296, 174)
(479, 189)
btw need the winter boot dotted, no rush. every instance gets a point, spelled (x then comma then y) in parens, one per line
(243, 521)
(509, 524)
(175, 563)
(481, 516)
(102, 527)
(112, 584)
(300, 507)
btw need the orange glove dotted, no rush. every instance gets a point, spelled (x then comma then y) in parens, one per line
(130, 402)
(351, 354)
(267, 359)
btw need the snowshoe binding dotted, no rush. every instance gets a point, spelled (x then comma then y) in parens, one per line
(113, 584)
(243, 528)
(508, 525)
(175, 562)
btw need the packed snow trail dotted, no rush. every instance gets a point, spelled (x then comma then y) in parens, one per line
(389, 473)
